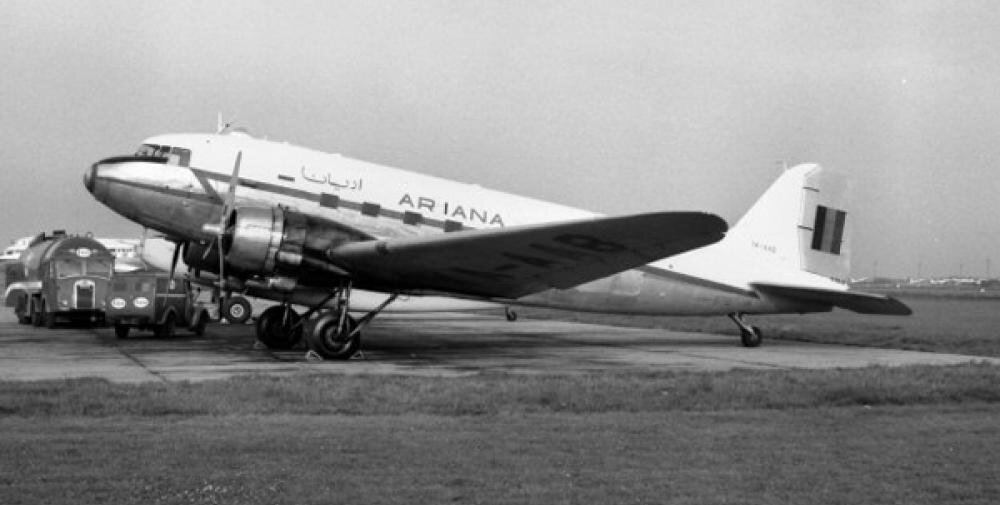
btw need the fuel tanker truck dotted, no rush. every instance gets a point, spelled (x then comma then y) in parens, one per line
(58, 278)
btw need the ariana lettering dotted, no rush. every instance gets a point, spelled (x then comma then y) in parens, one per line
(458, 212)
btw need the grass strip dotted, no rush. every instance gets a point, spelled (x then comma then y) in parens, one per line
(490, 394)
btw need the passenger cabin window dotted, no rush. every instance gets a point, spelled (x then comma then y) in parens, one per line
(174, 155)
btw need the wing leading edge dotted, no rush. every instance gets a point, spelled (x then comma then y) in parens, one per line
(516, 261)
(862, 303)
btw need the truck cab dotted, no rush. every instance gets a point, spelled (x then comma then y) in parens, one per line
(153, 301)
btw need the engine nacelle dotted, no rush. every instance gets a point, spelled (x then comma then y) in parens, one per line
(275, 240)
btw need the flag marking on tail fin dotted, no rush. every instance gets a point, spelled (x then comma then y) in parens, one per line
(828, 230)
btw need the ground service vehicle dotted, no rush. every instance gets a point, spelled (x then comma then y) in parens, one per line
(152, 300)
(59, 277)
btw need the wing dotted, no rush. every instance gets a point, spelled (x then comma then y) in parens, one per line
(863, 303)
(512, 262)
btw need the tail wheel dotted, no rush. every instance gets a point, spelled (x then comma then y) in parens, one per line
(330, 341)
(236, 309)
(279, 327)
(751, 338)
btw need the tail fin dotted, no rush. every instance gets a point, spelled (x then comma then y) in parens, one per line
(800, 222)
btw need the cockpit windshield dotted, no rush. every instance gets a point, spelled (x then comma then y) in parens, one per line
(173, 155)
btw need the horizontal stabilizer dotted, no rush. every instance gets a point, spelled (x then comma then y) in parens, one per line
(516, 261)
(862, 303)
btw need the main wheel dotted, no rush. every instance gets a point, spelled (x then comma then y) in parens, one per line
(167, 329)
(279, 327)
(751, 338)
(121, 330)
(236, 309)
(510, 314)
(331, 342)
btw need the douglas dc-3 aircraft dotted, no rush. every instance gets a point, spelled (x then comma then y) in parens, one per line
(300, 226)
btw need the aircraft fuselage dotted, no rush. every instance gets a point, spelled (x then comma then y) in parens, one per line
(179, 193)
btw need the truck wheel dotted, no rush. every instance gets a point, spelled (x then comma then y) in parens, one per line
(121, 330)
(236, 309)
(36, 315)
(199, 323)
(48, 318)
(167, 329)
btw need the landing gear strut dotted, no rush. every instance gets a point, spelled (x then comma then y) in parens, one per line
(750, 336)
(335, 334)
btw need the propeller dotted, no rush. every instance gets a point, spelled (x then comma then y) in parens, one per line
(228, 206)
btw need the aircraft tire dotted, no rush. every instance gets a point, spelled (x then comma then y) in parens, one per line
(751, 338)
(236, 310)
(510, 314)
(272, 331)
(324, 338)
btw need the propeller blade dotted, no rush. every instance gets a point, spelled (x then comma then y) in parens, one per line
(173, 260)
(228, 205)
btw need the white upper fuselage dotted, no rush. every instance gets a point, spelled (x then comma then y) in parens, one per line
(386, 202)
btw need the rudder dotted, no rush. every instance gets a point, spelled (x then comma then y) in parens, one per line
(800, 222)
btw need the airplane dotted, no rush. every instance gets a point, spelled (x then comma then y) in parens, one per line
(296, 225)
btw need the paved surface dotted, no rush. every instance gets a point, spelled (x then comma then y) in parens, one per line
(445, 345)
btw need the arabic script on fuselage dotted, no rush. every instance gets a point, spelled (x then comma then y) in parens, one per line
(327, 179)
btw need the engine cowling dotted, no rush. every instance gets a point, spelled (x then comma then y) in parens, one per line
(275, 240)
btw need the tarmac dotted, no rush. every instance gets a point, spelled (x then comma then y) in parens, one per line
(435, 345)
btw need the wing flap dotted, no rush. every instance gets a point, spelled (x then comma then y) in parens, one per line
(857, 301)
(513, 262)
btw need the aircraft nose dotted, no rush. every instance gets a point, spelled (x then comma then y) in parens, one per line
(89, 178)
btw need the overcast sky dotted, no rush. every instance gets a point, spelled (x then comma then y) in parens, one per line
(617, 107)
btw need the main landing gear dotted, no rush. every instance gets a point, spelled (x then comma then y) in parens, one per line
(279, 327)
(750, 336)
(334, 334)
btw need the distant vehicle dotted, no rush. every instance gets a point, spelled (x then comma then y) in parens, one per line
(125, 250)
(12, 252)
(59, 277)
(151, 300)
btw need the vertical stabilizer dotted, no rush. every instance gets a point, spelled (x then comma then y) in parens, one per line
(800, 222)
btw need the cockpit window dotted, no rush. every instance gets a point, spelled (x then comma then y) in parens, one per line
(173, 155)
